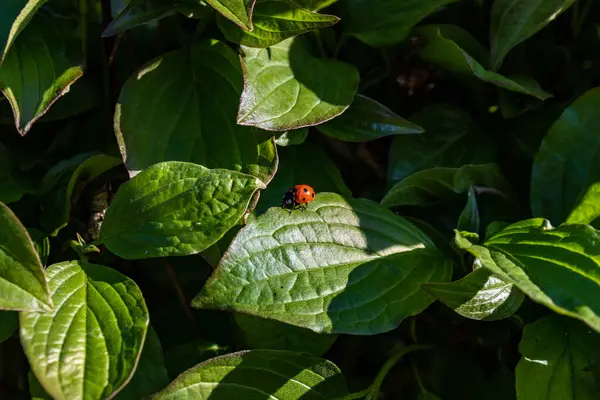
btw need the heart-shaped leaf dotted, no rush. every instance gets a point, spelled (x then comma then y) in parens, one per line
(565, 177)
(40, 67)
(89, 346)
(555, 354)
(446, 47)
(557, 267)
(425, 187)
(342, 266)
(238, 11)
(275, 21)
(175, 208)
(61, 181)
(515, 21)
(479, 295)
(255, 374)
(365, 120)
(14, 17)
(451, 139)
(182, 107)
(286, 87)
(387, 22)
(22, 280)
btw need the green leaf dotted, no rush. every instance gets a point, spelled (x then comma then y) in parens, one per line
(185, 356)
(237, 11)
(259, 374)
(9, 323)
(41, 242)
(182, 107)
(262, 333)
(565, 177)
(175, 208)
(13, 185)
(469, 219)
(479, 295)
(286, 87)
(60, 182)
(321, 174)
(275, 21)
(22, 280)
(555, 353)
(514, 21)
(426, 187)
(451, 139)
(140, 12)
(291, 138)
(315, 5)
(366, 120)
(36, 391)
(387, 22)
(446, 47)
(557, 267)
(342, 266)
(14, 17)
(151, 374)
(40, 67)
(89, 346)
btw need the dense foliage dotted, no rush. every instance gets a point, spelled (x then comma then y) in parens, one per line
(451, 251)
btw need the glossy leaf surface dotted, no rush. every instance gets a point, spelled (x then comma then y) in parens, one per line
(175, 208)
(342, 266)
(94, 336)
(238, 11)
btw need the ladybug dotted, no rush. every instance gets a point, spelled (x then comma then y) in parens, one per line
(297, 197)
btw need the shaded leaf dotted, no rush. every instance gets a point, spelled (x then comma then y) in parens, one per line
(61, 182)
(469, 219)
(444, 48)
(41, 242)
(479, 295)
(286, 87)
(451, 139)
(182, 107)
(9, 323)
(342, 266)
(275, 21)
(565, 177)
(175, 208)
(94, 299)
(36, 391)
(321, 174)
(13, 185)
(259, 374)
(365, 120)
(429, 186)
(40, 67)
(515, 21)
(22, 280)
(238, 11)
(291, 138)
(557, 267)
(555, 353)
(262, 333)
(315, 5)
(387, 22)
(14, 17)
(185, 356)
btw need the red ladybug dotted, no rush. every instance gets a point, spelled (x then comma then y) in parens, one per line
(297, 197)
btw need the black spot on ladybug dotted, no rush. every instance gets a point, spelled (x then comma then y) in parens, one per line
(313, 195)
(304, 199)
(305, 190)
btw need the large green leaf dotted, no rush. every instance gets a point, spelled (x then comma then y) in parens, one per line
(23, 284)
(565, 177)
(447, 46)
(89, 346)
(513, 21)
(387, 22)
(426, 187)
(275, 21)
(557, 267)
(13, 185)
(40, 67)
(321, 174)
(59, 184)
(182, 107)
(556, 351)
(259, 374)
(175, 208)
(451, 139)
(14, 17)
(238, 11)
(342, 266)
(365, 120)
(286, 87)
(479, 295)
